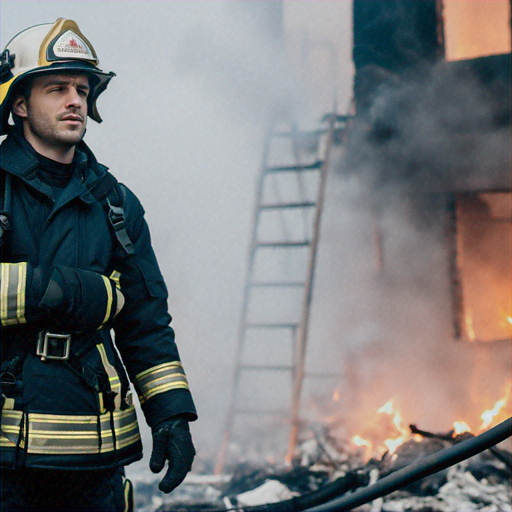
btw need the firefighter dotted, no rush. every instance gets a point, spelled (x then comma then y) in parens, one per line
(77, 264)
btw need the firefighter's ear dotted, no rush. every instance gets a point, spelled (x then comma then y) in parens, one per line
(19, 106)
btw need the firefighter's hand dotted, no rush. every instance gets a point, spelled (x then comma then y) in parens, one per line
(172, 441)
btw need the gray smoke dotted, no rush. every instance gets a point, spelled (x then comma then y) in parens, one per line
(383, 304)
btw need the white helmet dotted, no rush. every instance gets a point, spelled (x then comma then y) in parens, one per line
(49, 48)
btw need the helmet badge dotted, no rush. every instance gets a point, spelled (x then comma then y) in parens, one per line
(70, 45)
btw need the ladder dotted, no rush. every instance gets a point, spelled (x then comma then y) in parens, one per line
(272, 337)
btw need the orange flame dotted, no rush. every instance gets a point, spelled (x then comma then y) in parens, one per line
(399, 433)
(489, 415)
(470, 328)
(392, 443)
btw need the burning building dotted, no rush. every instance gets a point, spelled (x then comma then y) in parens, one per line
(431, 141)
(411, 316)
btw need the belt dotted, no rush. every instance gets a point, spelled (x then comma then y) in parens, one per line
(53, 346)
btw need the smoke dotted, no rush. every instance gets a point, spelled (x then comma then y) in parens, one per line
(446, 127)
(383, 310)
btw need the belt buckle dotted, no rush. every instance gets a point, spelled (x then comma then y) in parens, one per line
(53, 346)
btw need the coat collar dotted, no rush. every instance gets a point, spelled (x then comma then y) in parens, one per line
(19, 158)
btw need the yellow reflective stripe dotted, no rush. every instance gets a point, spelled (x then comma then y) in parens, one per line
(8, 403)
(44, 434)
(116, 277)
(22, 281)
(161, 378)
(13, 416)
(63, 418)
(11, 430)
(174, 364)
(113, 377)
(108, 310)
(127, 494)
(165, 387)
(4, 296)
(166, 378)
(12, 293)
(58, 434)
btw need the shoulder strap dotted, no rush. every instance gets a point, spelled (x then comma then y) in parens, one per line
(5, 204)
(116, 198)
(115, 195)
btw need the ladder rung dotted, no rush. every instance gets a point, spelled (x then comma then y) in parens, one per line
(290, 283)
(256, 367)
(272, 326)
(295, 168)
(303, 243)
(305, 204)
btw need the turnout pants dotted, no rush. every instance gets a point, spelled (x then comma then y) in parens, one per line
(45, 490)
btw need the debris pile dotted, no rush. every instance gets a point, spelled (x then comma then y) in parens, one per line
(327, 467)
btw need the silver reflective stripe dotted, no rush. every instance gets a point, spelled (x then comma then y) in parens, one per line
(161, 378)
(11, 421)
(72, 434)
(12, 293)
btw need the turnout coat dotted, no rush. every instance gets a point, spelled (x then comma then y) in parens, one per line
(78, 413)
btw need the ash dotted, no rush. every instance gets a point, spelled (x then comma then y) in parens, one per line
(482, 483)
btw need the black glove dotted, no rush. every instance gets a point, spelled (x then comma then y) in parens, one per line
(172, 441)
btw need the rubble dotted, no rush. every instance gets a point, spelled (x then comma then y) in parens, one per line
(482, 483)
(272, 491)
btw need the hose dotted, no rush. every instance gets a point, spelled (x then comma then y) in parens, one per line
(420, 469)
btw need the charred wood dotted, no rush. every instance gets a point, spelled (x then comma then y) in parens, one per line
(502, 455)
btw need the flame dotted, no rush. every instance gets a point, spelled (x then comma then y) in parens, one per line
(359, 441)
(489, 415)
(398, 432)
(509, 319)
(470, 328)
(460, 427)
(387, 407)
(392, 443)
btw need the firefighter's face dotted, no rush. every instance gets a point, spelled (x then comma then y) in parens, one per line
(55, 113)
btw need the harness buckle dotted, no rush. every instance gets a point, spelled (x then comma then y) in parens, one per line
(53, 346)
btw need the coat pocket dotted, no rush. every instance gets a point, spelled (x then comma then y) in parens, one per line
(152, 279)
